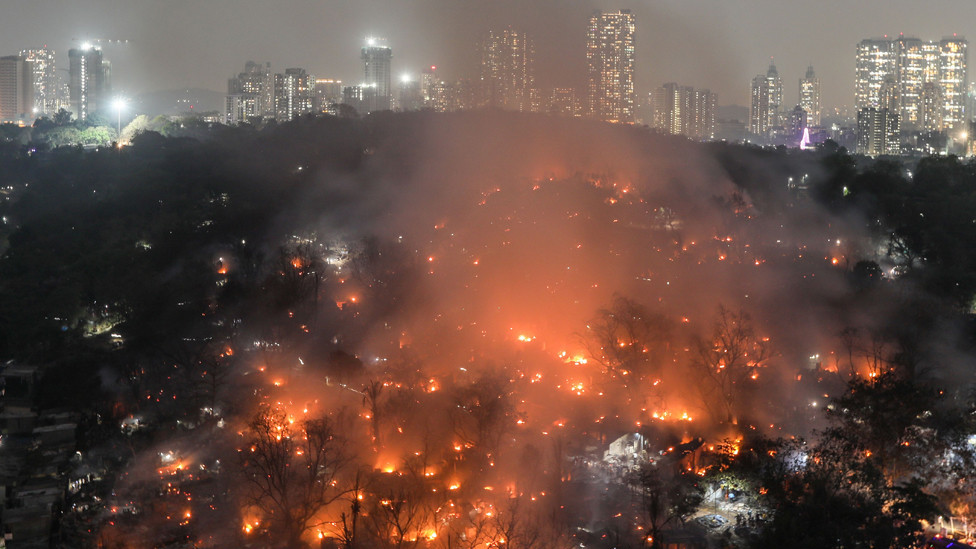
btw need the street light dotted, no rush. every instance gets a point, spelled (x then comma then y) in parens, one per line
(119, 105)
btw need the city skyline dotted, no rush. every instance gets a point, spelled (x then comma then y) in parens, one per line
(697, 43)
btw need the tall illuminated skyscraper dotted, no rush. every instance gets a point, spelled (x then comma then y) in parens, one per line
(759, 106)
(775, 95)
(47, 97)
(875, 61)
(931, 51)
(765, 102)
(90, 82)
(376, 75)
(914, 78)
(810, 97)
(910, 63)
(610, 64)
(953, 60)
(507, 70)
(16, 90)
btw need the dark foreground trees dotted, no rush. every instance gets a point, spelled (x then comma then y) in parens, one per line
(892, 458)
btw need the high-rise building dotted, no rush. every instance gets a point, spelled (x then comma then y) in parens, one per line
(765, 102)
(683, 110)
(610, 64)
(810, 97)
(89, 81)
(875, 61)
(894, 73)
(759, 106)
(44, 77)
(932, 53)
(507, 71)
(878, 132)
(235, 109)
(16, 90)
(910, 66)
(931, 107)
(293, 94)
(327, 93)
(775, 84)
(409, 95)
(428, 86)
(376, 75)
(254, 91)
(563, 101)
(357, 97)
(953, 58)
(798, 120)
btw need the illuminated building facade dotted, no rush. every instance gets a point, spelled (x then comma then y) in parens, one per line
(235, 110)
(810, 97)
(902, 74)
(564, 102)
(610, 66)
(428, 87)
(89, 81)
(875, 61)
(47, 93)
(253, 92)
(878, 132)
(683, 110)
(911, 64)
(293, 94)
(16, 90)
(953, 60)
(377, 62)
(507, 70)
(327, 94)
(765, 102)
(759, 106)
(775, 84)
(930, 107)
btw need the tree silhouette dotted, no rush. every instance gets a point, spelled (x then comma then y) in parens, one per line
(726, 361)
(291, 469)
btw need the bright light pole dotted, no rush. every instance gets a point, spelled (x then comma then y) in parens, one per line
(119, 105)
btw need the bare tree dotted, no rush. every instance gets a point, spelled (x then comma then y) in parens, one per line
(481, 411)
(666, 496)
(371, 401)
(292, 469)
(349, 529)
(727, 360)
(629, 341)
(510, 523)
(849, 336)
(294, 280)
(401, 513)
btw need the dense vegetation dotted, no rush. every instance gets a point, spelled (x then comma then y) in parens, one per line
(126, 244)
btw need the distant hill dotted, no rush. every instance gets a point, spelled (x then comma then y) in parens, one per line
(180, 101)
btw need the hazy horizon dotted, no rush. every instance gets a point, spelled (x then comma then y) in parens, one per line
(182, 44)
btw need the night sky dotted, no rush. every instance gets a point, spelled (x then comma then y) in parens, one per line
(705, 43)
